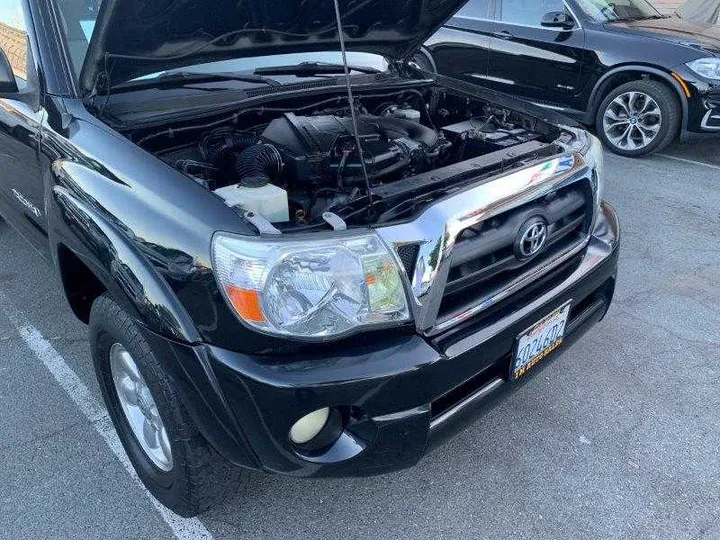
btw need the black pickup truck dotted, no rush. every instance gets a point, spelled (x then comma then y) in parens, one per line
(296, 251)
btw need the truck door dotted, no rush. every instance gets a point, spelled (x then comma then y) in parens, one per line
(21, 189)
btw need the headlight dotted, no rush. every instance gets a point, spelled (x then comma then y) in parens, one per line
(706, 67)
(595, 155)
(592, 150)
(310, 287)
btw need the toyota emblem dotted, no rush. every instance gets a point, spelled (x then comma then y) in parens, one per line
(531, 238)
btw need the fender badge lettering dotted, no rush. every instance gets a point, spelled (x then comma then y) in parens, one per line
(34, 210)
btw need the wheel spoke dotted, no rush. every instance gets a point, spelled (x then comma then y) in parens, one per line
(632, 101)
(620, 141)
(165, 444)
(648, 117)
(640, 140)
(129, 366)
(614, 125)
(647, 134)
(630, 142)
(612, 115)
(128, 388)
(649, 108)
(613, 120)
(150, 434)
(651, 129)
(621, 103)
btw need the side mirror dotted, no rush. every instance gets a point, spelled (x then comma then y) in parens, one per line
(558, 19)
(8, 85)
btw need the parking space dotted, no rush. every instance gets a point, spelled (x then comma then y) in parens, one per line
(617, 438)
(694, 153)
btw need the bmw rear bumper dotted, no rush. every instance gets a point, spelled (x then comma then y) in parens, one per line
(397, 397)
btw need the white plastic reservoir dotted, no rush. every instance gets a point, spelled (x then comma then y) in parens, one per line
(268, 201)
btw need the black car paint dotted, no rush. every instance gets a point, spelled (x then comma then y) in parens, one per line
(573, 70)
(113, 217)
(392, 383)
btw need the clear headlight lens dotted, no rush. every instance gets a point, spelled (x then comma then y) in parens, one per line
(310, 288)
(594, 153)
(596, 156)
(706, 67)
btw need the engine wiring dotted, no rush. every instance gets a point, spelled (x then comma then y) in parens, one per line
(235, 117)
(370, 158)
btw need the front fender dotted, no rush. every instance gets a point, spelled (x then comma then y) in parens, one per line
(114, 259)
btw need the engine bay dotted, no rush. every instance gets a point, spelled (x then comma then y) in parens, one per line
(300, 164)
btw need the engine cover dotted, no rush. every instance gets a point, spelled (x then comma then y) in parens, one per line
(318, 150)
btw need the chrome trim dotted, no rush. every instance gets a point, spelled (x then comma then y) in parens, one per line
(603, 241)
(481, 394)
(516, 285)
(438, 227)
(491, 78)
(546, 106)
(712, 113)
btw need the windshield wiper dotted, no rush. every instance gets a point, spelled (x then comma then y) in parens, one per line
(641, 18)
(180, 77)
(197, 76)
(312, 68)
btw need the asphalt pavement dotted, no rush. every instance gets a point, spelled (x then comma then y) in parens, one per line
(619, 437)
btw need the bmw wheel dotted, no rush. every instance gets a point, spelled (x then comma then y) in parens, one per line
(170, 455)
(639, 118)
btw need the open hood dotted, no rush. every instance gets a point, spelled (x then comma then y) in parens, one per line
(133, 38)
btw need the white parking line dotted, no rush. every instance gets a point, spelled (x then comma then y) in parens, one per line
(95, 412)
(691, 161)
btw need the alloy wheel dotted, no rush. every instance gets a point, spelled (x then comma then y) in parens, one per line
(632, 121)
(139, 408)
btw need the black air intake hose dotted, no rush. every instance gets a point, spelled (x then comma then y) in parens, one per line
(397, 128)
(233, 143)
(258, 165)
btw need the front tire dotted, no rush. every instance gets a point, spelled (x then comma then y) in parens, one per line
(171, 457)
(639, 118)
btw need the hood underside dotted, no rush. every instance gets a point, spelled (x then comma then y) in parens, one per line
(133, 38)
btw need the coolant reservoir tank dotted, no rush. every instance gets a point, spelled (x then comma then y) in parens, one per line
(268, 201)
(412, 115)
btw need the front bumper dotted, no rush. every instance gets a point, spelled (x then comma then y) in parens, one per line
(702, 117)
(398, 397)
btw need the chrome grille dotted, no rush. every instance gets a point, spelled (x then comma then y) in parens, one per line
(484, 259)
(461, 252)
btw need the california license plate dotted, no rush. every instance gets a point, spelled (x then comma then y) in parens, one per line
(538, 341)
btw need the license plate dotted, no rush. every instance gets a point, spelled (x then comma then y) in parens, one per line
(538, 341)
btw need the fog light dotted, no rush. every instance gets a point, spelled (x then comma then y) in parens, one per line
(309, 426)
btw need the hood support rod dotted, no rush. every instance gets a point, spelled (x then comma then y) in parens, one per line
(351, 101)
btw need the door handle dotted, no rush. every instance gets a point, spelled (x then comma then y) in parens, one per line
(503, 34)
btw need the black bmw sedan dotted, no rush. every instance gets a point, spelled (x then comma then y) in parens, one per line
(640, 77)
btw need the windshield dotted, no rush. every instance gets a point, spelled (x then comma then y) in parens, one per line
(78, 23)
(618, 10)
